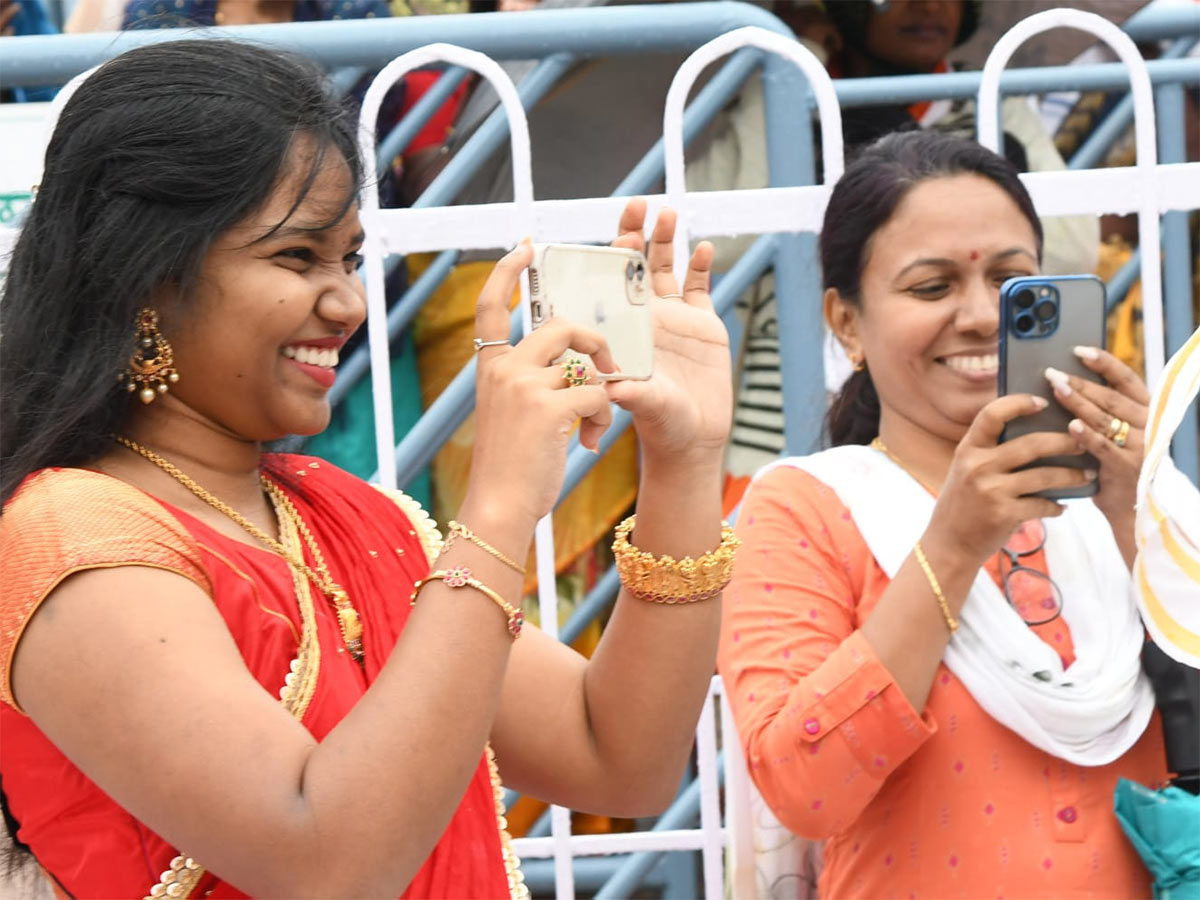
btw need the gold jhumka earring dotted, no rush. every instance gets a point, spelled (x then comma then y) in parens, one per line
(152, 365)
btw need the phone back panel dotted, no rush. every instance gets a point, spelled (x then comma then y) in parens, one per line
(1024, 358)
(606, 289)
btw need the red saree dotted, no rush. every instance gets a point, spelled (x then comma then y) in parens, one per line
(376, 546)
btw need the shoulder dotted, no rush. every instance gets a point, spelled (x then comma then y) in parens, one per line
(63, 521)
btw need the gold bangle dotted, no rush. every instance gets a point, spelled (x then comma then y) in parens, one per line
(460, 576)
(951, 622)
(457, 528)
(662, 579)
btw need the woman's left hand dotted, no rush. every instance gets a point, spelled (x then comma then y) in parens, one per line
(684, 411)
(1102, 413)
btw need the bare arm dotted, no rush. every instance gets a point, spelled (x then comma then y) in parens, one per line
(612, 735)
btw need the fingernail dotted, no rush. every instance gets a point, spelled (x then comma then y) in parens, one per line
(1084, 352)
(1039, 402)
(1075, 426)
(1091, 474)
(1059, 380)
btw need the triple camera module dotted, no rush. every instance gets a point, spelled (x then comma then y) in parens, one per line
(1034, 311)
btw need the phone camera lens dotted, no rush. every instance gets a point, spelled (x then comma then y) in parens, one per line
(641, 271)
(1024, 299)
(1024, 323)
(1046, 310)
(629, 271)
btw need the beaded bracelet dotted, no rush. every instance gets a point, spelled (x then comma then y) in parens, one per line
(919, 553)
(663, 579)
(460, 576)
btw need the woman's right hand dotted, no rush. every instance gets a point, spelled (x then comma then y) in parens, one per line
(524, 410)
(984, 498)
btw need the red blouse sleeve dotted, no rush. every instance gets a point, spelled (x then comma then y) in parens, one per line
(821, 721)
(63, 521)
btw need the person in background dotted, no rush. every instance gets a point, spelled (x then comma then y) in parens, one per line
(932, 669)
(858, 39)
(228, 672)
(23, 17)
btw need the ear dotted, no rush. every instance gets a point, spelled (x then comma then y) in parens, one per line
(842, 317)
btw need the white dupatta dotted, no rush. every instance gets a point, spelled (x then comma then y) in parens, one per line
(1090, 713)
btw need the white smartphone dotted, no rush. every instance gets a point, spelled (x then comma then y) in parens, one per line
(606, 289)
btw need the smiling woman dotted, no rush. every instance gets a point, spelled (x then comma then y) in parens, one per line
(892, 693)
(215, 677)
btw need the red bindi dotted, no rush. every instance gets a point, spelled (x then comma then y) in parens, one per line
(974, 255)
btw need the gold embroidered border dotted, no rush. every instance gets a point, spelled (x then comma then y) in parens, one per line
(517, 889)
(297, 692)
(424, 527)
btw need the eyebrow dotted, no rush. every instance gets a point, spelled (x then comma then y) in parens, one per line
(318, 232)
(943, 261)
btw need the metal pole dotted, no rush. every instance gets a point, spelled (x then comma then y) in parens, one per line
(1177, 269)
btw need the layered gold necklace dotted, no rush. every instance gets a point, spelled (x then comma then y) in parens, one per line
(347, 616)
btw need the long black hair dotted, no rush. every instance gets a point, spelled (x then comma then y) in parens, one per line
(158, 152)
(862, 202)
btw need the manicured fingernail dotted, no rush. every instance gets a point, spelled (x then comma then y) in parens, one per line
(1059, 381)
(1075, 426)
(1039, 402)
(1084, 352)
(1091, 474)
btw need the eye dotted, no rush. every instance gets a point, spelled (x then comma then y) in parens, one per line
(930, 290)
(298, 256)
(352, 261)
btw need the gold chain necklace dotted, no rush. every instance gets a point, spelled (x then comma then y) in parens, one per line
(878, 444)
(347, 615)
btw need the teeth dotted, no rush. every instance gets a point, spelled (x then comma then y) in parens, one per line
(989, 362)
(313, 356)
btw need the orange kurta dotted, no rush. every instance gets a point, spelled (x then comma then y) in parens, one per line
(944, 803)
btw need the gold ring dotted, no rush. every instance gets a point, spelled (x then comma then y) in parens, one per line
(1113, 427)
(575, 371)
(1122, 434)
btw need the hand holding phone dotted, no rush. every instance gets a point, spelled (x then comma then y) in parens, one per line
(605, 289)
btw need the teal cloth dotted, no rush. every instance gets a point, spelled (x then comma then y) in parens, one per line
(349, 441)
(1164, 828)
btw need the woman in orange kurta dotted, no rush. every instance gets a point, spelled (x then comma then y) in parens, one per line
(856, 727)
(230, 672)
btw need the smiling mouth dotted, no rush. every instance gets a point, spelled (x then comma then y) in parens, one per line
(981, 364)
(325, 358)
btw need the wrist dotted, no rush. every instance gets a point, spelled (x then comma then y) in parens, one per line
(503, 525)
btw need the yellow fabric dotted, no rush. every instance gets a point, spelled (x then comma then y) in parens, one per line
(1125, 322)
(443, 331)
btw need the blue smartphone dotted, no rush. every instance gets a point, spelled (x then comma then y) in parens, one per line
(1042, 319)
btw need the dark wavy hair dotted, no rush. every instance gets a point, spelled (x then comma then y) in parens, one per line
(862, 202)
(158, 152)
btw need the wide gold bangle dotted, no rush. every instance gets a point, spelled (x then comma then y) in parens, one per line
(951, 622)
(458, 529)
(663, 579)
(460, 576)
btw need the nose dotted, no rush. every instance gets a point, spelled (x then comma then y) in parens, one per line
(979, 309)
(343, 301)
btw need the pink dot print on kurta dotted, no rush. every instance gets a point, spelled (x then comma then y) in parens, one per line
(954, 862)
(812, 613)
(803, 545)
(750, 520)
(958, 766)
(769, 588)
(887, 860)
(1047, 864)
(989, 809)
(816, 804)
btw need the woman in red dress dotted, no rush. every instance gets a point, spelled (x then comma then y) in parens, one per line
(213, 681)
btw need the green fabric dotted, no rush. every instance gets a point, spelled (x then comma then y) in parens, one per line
(1164, 828)
(349, 441)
